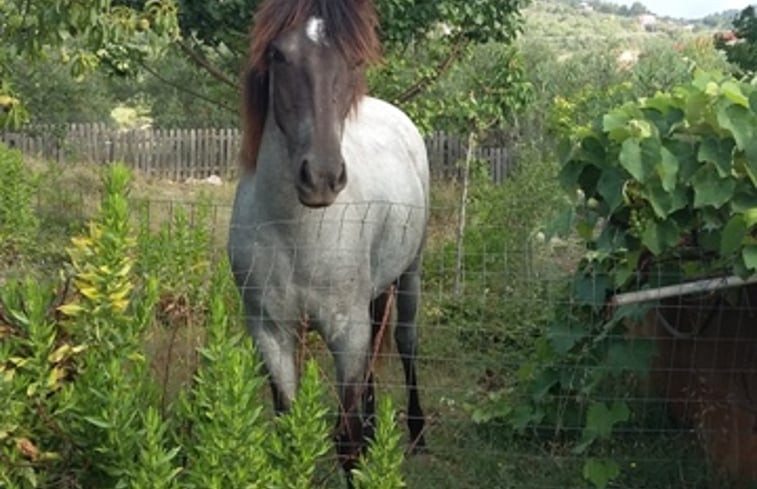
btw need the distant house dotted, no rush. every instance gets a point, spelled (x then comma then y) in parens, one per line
(586, 7)
(729, 37)
(647, 22)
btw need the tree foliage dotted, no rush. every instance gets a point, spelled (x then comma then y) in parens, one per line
(84, 33)
(743, 51)
(637, 8)
(424, 41)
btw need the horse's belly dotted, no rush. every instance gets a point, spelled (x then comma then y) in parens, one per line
(333, 266)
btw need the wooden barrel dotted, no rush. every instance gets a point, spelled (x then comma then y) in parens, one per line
(705, 370)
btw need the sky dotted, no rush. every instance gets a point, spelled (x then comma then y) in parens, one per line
(690, 9)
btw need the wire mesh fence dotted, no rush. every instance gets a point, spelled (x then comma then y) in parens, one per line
(509, 400)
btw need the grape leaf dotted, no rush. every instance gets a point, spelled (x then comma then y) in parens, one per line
(630, 158)
(710, 189)
(661, 200)
(719, 152)
(600, 419)
(750, 257)
(658, 236)
(739, 121)
(732, 91)
(600, 472)
(616, 120)
(668, 169)
(610, 187)
(733, 235)
(751, 160)
(632, 355)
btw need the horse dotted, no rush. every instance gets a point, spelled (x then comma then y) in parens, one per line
(331, 209)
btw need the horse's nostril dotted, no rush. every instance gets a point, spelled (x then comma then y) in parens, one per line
(305, 178)
(341, 179)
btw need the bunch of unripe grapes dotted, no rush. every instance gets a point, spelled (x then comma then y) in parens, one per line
(641, 213)
(639, 219)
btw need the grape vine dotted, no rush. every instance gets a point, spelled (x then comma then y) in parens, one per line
(668, 188)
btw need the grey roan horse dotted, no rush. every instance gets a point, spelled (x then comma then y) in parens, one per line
(331, 210)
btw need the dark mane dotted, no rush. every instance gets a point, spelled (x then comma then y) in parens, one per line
(351, 26)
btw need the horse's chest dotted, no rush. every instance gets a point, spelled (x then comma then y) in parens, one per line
(286, 274)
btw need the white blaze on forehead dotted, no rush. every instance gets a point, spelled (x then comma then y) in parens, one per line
(316, 30)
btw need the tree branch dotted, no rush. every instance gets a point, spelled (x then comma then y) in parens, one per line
(183, 88)
(443, 67)
(200, 60)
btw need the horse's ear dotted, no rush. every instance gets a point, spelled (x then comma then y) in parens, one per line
(254, 112)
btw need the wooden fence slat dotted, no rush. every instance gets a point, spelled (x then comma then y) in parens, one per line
(180, 154)
(174, 155)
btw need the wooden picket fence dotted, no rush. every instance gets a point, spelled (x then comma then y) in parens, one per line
(181, 154)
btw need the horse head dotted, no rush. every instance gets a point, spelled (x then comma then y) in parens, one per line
(307, 70)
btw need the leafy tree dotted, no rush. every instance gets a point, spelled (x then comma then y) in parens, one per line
(51, 94)
(743, 52)
(424, 41)
(85, 33)
(721, 19)
(637, 9)
(161, 87)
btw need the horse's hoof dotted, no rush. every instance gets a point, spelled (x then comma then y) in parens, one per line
(419, 447)
(415, 451)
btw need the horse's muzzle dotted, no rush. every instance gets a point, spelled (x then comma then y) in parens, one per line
(318, 189)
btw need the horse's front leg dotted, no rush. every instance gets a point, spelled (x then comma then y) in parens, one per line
(349, 343)
(276, 344)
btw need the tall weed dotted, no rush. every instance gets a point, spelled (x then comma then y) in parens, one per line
(18, 221)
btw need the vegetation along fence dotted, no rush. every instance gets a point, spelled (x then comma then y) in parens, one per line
(530, 376)
(180, 154)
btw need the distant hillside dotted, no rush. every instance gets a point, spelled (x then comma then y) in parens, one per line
(722, 20)
(635, 9)
(575, 23)
(567, 19)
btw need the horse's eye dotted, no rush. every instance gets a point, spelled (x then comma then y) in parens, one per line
(275, 55)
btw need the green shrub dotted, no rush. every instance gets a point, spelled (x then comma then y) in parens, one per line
(179, 253)
(227, 434)
(669, 194)
(500, 265)
(381, 467)
(18, 222)
(81, 408)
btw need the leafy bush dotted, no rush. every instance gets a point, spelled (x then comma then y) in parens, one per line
(81, 408)
(499, 268)
(743, 53)
(575, 86)
(381, 467)
(179, 253)
(667, 190)
(673, 172)
(18, 223)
